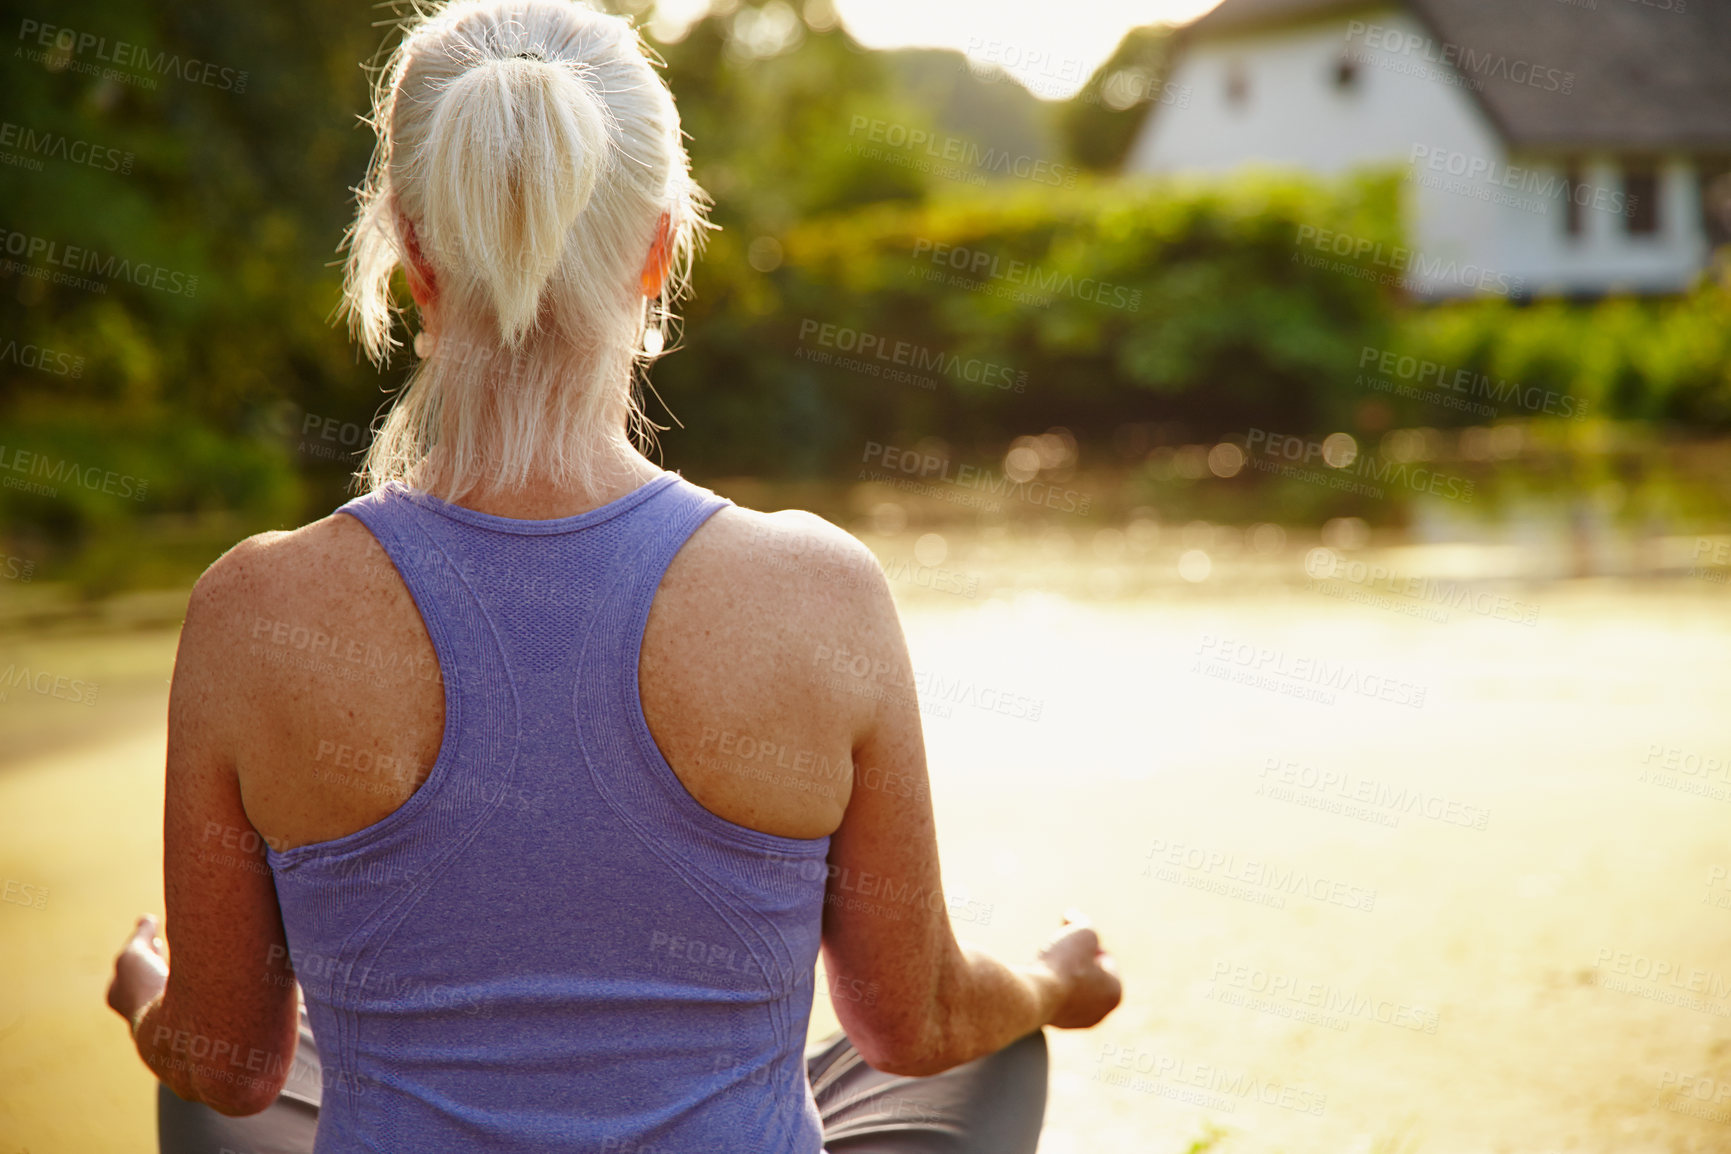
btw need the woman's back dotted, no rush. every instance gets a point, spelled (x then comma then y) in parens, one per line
(554, 897)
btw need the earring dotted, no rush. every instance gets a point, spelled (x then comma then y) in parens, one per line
(424, 344)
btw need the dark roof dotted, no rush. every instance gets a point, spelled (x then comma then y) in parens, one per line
(1247, 15)
(1645, 76)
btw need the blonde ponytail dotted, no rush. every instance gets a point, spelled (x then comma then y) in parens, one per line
(513, 155)
(527, 153)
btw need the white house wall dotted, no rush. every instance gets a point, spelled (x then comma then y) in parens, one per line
(1605, 257)
(1476, 225)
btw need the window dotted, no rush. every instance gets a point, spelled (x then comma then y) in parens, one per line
(1237, 84)
(1716, 201)
(1345, 74)
(1573, 193)
(1641, 197)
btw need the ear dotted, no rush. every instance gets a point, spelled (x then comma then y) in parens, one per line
(422, 284)
(660, 259)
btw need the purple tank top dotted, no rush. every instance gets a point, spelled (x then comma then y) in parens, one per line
(551, 946)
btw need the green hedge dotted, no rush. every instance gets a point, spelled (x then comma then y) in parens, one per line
(90, 493)
(1103, 304)
(1663, 359)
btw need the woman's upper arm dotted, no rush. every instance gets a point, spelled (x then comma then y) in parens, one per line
(886, 923)
(230, 1005)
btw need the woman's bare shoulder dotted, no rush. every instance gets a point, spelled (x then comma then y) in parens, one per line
(313, 643)
(753, 608)
(299, 588)
(785, 573)
(333, 555)
(791, 539)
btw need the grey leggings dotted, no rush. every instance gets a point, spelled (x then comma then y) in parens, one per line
(993, 1105)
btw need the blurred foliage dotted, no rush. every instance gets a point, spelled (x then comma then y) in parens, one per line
(234, 174)
(1666, 360)
(838, 174)
(1172, 304)
(1101, 122)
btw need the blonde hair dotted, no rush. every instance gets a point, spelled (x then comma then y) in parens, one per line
(531, 150)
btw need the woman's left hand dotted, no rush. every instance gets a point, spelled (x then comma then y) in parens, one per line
(140, 969)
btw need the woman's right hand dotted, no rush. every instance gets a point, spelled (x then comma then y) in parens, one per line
(1089, 975)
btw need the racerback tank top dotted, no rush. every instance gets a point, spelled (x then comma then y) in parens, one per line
(551, 946)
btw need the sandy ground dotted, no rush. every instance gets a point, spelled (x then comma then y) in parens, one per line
(1315, 960)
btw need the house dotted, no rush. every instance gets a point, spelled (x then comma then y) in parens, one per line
(1550, 147)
